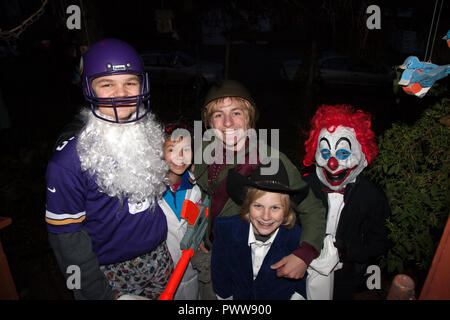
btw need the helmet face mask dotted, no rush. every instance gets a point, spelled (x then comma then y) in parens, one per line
(110, 57)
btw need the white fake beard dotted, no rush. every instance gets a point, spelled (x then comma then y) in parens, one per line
(125, 159)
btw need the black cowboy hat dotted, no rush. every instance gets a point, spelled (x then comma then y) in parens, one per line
(237, 184)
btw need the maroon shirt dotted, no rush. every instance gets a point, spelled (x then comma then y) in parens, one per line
(220, 197)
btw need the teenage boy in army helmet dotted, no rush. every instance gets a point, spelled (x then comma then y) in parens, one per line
(230, 110)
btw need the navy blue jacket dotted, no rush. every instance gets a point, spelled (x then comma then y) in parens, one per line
(231, 263)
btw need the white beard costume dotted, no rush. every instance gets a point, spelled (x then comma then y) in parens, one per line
(125, 159)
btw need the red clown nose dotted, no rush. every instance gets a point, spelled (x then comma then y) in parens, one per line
(332, 163)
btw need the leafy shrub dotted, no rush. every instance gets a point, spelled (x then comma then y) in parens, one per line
(413, 169)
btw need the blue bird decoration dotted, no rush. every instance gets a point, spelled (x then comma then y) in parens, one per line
(418, 76)
(447, 37)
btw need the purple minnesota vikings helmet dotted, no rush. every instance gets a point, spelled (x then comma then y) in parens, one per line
(111, 57)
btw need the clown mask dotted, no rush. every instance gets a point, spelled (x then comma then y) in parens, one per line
(339, 158)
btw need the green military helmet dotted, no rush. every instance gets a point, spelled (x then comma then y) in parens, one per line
(229, 88)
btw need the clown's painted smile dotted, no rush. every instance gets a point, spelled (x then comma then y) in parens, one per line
(337, 178)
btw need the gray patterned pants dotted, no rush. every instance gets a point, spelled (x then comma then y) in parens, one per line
(146, 275)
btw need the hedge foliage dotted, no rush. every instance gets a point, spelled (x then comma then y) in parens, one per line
(413, 169)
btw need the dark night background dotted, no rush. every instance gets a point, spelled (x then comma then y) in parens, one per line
(41, 96)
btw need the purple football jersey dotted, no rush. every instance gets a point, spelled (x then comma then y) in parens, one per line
(118, 231)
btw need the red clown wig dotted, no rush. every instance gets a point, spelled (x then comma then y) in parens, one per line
(331, 117)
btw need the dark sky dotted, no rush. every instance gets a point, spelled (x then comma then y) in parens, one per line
(41, 52)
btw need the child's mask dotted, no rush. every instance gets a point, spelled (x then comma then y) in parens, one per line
(339, 157)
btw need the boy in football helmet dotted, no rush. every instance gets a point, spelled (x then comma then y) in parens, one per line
(103, 184)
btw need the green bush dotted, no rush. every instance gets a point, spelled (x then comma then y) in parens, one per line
(413, 169)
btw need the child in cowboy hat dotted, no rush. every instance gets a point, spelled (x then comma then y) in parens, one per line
(246, 245)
